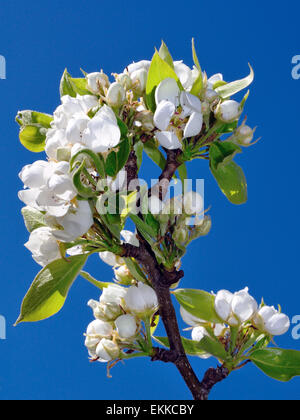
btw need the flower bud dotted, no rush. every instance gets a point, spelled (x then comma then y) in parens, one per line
(126, 326)
(107, 351)
(141, 300)
(97, 82)
(236, 308)
(116, 95)
(271, 321)
(193, 203)
(139, 80)
(228, 111)
(99, 329)
(113, 294)
(180, 235)
(244, 135)
(123, 275)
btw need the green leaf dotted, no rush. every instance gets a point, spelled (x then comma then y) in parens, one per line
(99, 284)
(282, 365)
(159, 70)
(111, 164)
(123, 128)
(183, 174)
(189, 345)
(164, 53)
(213, 347)
(153, 223)
(155, 154)
(83, 190)
(96, 160)
(33, 219)
(135, 270)
(232, 182)
(146, 230)
(34, 118)
(123, 154)
(72, 87)
(229, 176)
(222, 153)
(198, 303)
(50, 288)
(198, 84)
(139, 148)
(232, 88)
(33, 137)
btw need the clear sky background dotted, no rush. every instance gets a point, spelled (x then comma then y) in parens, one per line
(256, 245)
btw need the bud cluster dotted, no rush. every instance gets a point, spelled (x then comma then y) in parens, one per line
(239, 314)
(118, 321)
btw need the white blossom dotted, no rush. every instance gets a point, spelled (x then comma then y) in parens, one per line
(126, 326)
(188, 123)
(269, 320)
(236, 308)
(193, 203)
(107, 350)
(141, 300)
(96, 80)
(44, 246)
(116, 95)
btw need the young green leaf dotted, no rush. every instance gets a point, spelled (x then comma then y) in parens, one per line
(222, 153)
(232, 182)
(198, 84)
(33, 137)
(33, 219)
(50, 288)
(198, 303)
(230, 89)
(111, 164)
(282, 365)
(159, 70)
(164, 53)
(99, 284)
(72, 87)
(34, 118)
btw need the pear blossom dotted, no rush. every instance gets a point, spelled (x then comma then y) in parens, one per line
(71, 106)
(185, 74)
(141, 300)
(50, 187)
(75, 223)
(130, 238)
(168, 97)
(44, 246)
(198, 333)
(126, 326)
(123, 275)
(271, 321)
(113, 294)
(235, 309)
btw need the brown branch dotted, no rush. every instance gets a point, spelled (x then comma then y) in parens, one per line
(162, 280)
(131, 168)
(161, 188)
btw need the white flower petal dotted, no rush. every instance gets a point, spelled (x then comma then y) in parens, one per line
(163, 114)
(168, 140)
(223, 304)
(167, 90)
(194, 125)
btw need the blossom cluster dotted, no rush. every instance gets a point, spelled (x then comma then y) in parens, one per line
(118, 320)
(238, 311)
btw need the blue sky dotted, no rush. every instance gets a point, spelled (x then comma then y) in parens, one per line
(255, 245)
